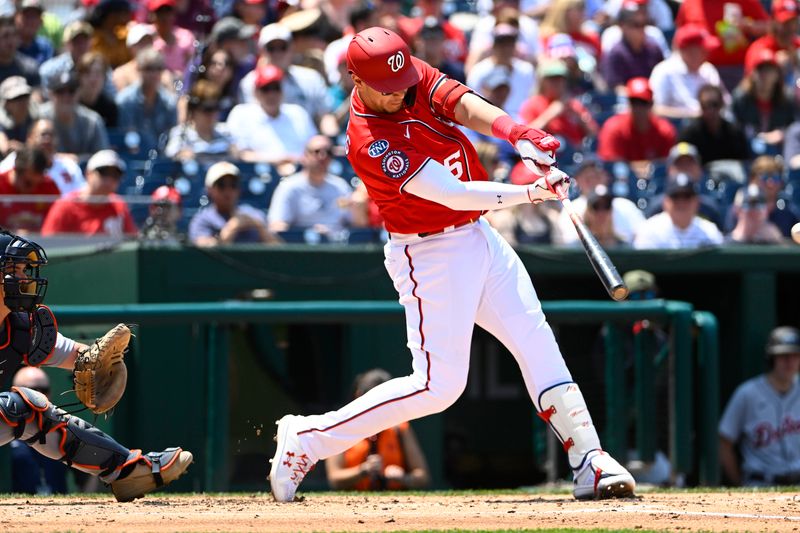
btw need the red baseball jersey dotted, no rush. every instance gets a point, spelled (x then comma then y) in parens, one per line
(388, 149)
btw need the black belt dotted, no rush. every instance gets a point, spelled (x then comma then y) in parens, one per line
(448, 228)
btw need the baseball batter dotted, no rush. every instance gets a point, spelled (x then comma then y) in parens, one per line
(28, 335)
(450, 268)
(763, 418)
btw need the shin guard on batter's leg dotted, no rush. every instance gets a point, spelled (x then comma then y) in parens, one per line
(76, 443)
(597, 474)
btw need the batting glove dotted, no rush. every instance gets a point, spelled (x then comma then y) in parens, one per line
(552, 186)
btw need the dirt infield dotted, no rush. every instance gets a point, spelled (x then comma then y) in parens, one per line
(719, 511)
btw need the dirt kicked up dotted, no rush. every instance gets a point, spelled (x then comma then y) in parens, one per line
(687, 511)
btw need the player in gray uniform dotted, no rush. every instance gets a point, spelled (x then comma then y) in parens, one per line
(29, 336)
(763, 418)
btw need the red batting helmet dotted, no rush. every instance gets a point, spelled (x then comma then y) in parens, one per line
(382, 59)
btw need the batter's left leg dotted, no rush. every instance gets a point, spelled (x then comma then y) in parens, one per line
(511, 311)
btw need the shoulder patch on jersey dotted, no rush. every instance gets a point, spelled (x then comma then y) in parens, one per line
(395, 164)
(378, 148)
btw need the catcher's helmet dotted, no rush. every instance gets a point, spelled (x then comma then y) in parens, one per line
(782, 340)
(382, 59)
(23, 288)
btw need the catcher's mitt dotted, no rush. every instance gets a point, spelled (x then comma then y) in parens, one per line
(100, 373)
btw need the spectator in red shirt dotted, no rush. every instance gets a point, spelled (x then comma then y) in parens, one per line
(782, 36)
(95, 209)
(636, 135)
(26, 178)
(734, 23)
(554, 110)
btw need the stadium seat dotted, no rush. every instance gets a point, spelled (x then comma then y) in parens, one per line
(258, 181)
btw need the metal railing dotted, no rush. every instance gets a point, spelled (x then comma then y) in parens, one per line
(678, 316)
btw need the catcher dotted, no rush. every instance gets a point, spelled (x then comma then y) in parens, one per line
(29, 336)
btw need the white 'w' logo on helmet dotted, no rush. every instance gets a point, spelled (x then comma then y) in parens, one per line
(396, 61)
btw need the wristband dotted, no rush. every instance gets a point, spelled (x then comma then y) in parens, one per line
(503, 126)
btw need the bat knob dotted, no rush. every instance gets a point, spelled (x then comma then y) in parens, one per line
(619, 293)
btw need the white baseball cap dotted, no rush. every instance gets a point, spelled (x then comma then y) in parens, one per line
(274, 32)
(218, 171)
(105, 158)
(137, 32)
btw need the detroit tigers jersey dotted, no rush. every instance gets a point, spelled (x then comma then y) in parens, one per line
(768, 425)
(388, 149)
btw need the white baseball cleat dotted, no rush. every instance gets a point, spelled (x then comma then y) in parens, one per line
(290, 463)
(602, 477)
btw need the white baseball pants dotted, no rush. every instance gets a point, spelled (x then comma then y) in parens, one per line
(447, 283)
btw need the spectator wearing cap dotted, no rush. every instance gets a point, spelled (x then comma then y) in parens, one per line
(313, 198)
(625, 216)
(430, 45)
(715, 137)
(12, 62)
(635, 54)
(16, 115)
(782, 36)
(676, 81)
(201, 136)
(554, 110)
(684, 160)
(62, 169)
(79, 130)
(300, 85)
(598, 217)
(110, 19)
(431, 11)
(77, 40)
(637, 134)
(28, 19)
(27, 178)
(761, 103)
(140, 37)
(561, 46)
(529, 46)
(236, 38)
(270, 130)
(164, 213)
(253, 12)
(95, 209)
(759, 444)
(224, 220)
(767, 172)
(175, 44)
(146, 107)
(658, 11)
(678, 226)
(569, 16)
(523, 78)
(92, 71)
(733, 23)
(753, 226)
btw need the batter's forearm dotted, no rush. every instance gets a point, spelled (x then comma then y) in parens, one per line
(477, 114)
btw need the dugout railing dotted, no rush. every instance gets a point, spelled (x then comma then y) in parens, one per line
(692, 346)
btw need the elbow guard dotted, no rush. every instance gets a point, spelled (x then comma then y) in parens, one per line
(445, 95)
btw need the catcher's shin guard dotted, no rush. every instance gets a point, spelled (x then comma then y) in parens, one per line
(597, 474)
(66, 438)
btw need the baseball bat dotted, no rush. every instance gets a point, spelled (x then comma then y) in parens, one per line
(598, 257)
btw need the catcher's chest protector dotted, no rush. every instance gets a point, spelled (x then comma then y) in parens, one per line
(28, 338)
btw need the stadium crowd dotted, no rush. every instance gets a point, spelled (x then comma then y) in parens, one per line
(224, 120)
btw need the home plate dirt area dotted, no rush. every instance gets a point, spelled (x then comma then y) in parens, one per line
(663, 511)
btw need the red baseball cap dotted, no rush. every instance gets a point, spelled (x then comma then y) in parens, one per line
(639, 88)
(784, 10)
(693, 34)
(166, 193)
(266, 74)
(382, 59)
(756, 56)
(155, 5)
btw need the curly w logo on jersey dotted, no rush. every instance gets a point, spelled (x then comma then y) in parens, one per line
(395, 164)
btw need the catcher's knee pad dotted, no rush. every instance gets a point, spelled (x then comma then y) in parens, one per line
(563, 407)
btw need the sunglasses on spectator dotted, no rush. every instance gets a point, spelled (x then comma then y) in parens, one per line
(682, 196)
(230, 183)
(711, 104)
(277, 47)
(153, 68)
(601, 206)
(639, 101)
(223, 64)
(270, 87)
(110, 172)
(208, 108)
(65, 90)
(637, 24)
(775, 178)
(327, 152)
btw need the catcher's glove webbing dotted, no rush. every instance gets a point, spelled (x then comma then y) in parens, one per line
(100, 373)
